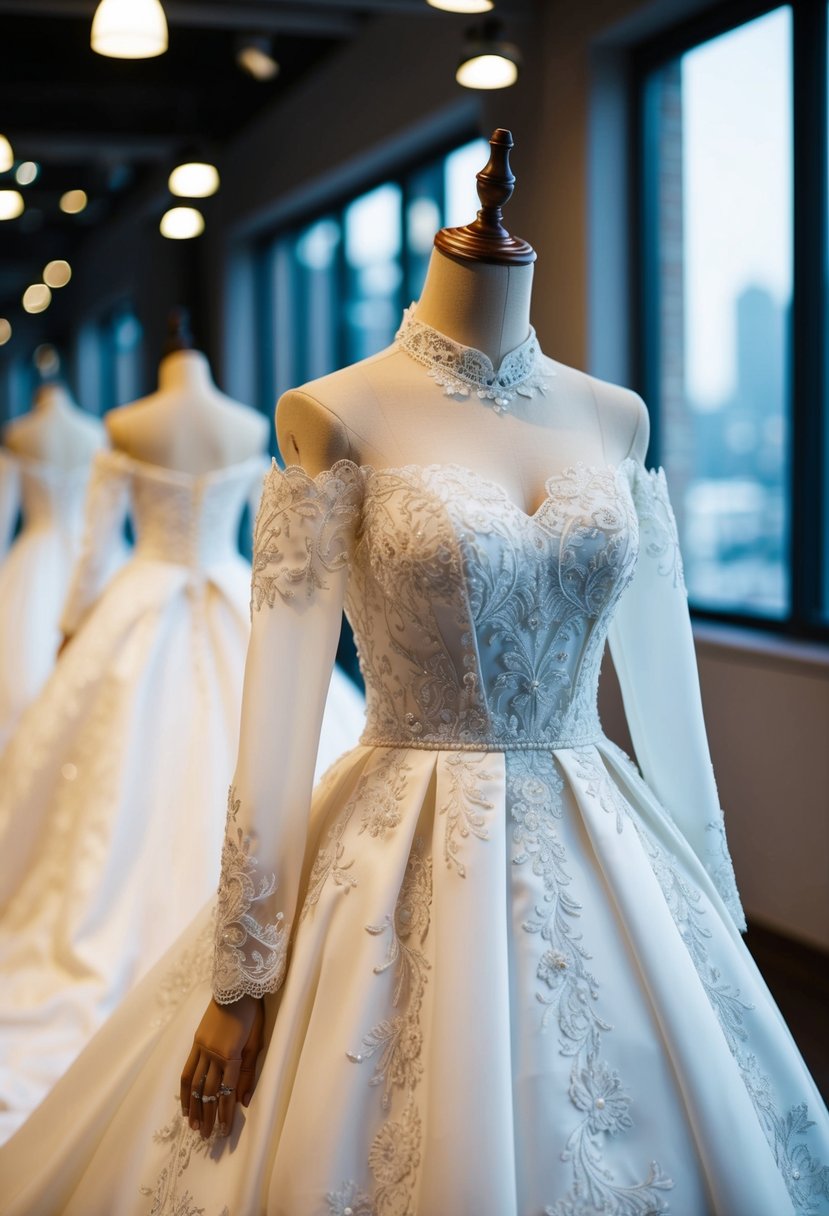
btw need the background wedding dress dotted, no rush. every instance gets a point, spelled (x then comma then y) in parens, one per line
(509, 970)
(34, 573)
(112, 789)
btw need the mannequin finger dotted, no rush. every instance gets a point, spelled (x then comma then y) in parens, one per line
(227, 1100)
(209, 1098)
(187, 1074)
(195, 1108)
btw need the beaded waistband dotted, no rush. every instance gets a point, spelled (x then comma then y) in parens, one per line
(367, 739)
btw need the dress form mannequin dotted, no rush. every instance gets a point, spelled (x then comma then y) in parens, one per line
(57, 431)
(385, 411)
(187, 425)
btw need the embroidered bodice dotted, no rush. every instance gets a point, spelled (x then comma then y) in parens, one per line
(477, 625)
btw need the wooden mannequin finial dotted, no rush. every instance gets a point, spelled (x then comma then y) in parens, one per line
(486, 239)
(179, 333)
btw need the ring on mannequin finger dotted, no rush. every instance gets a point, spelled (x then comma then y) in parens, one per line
(224, 1091)
(203, 1098)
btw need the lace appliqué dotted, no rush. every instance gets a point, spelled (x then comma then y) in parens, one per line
(396, 1043)
(192, 967)
(349, 1200)
(250, 956)
(462, 370)
(806, 1178)
(571, 991)
(465, 808)
(304, 531)
(180, 1142)
(657, 523)
(381, 792)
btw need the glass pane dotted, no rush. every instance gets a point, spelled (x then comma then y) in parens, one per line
(424, 216)
(719, 131)
(460, 167)
(373, 248)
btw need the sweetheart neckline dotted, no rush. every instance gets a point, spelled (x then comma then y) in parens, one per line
(369, 471)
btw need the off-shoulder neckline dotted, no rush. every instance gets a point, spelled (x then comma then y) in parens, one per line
(368, 471)
(163, 473)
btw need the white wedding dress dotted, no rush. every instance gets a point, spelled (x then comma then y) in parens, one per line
(111, 790)
(34, 573)
(505, 969)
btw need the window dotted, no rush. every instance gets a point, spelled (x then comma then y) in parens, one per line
(333, 291)
(120, 338)
(728, 298)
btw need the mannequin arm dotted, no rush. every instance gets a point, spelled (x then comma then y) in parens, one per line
(653, 651)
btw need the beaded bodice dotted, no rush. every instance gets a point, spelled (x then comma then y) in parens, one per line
(189, 520)
(478, 625)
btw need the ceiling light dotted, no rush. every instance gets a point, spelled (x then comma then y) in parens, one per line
(57, 273)
(37, 298)
(73, 201)
(254, 55)
(11, 204)
(26, 172)
(5, 331)
(6, 155)
(129, 29)
(488, 62)
(182, 223)
(463, 6)
(194, 180)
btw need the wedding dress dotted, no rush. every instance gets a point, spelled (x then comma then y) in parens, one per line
(505, 969)
(111, 805)
(34, 573)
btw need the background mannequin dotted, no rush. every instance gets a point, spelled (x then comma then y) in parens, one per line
(187, 424)
(57, 431)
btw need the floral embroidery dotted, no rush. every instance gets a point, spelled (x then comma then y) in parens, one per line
(304, 531)
(806, 1178)
(380, 791)
(181, 1142)
(250, 955)
(462, 370)
(572, 992)
(465, 808)
(349, 1200)
(192, 967)
(394, 1156)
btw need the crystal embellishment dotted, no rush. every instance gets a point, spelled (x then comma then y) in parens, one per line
(462, 371)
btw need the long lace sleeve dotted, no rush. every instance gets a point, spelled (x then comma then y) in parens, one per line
(107, 503)
(303, 540)
(9, 499)
(653, 651)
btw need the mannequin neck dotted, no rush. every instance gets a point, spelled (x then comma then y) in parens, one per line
(477, 304)
(53, 398)
(185, 371)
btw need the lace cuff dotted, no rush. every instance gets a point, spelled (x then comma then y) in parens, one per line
(251, 945)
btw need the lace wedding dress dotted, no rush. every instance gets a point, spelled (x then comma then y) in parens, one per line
(34, 573)
(111, 806)
(506, 970)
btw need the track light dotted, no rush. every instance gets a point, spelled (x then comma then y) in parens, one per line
(5, 331)
(37, 298)
(129, 29)
(57, 273)
(73, 202)
(488, 61)
(254, 55)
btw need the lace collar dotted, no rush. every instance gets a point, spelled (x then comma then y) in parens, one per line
(462, 370)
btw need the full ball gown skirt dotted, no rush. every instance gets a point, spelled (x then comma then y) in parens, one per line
(505, 972)
(34, 574)
(111, 790)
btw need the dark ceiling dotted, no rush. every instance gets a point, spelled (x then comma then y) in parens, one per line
(101, 125)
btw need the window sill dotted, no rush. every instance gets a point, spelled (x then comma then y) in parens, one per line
(755, 646)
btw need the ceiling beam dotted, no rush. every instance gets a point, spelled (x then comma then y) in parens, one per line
(96, 146)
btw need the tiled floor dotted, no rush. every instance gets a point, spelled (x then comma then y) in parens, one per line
(798, 977)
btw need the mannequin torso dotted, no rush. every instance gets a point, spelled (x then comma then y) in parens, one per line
(386, 411)
(187, 425)
(56, 432)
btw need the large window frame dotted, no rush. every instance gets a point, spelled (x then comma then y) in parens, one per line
(808, 478)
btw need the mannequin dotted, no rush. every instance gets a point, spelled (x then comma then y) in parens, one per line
(187, 425)
(385, 411)
(56, 431)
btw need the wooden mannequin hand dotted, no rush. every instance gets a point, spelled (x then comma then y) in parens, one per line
(223, 1055)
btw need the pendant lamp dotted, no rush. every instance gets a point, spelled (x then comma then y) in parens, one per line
(6, 154)
(129, 29)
